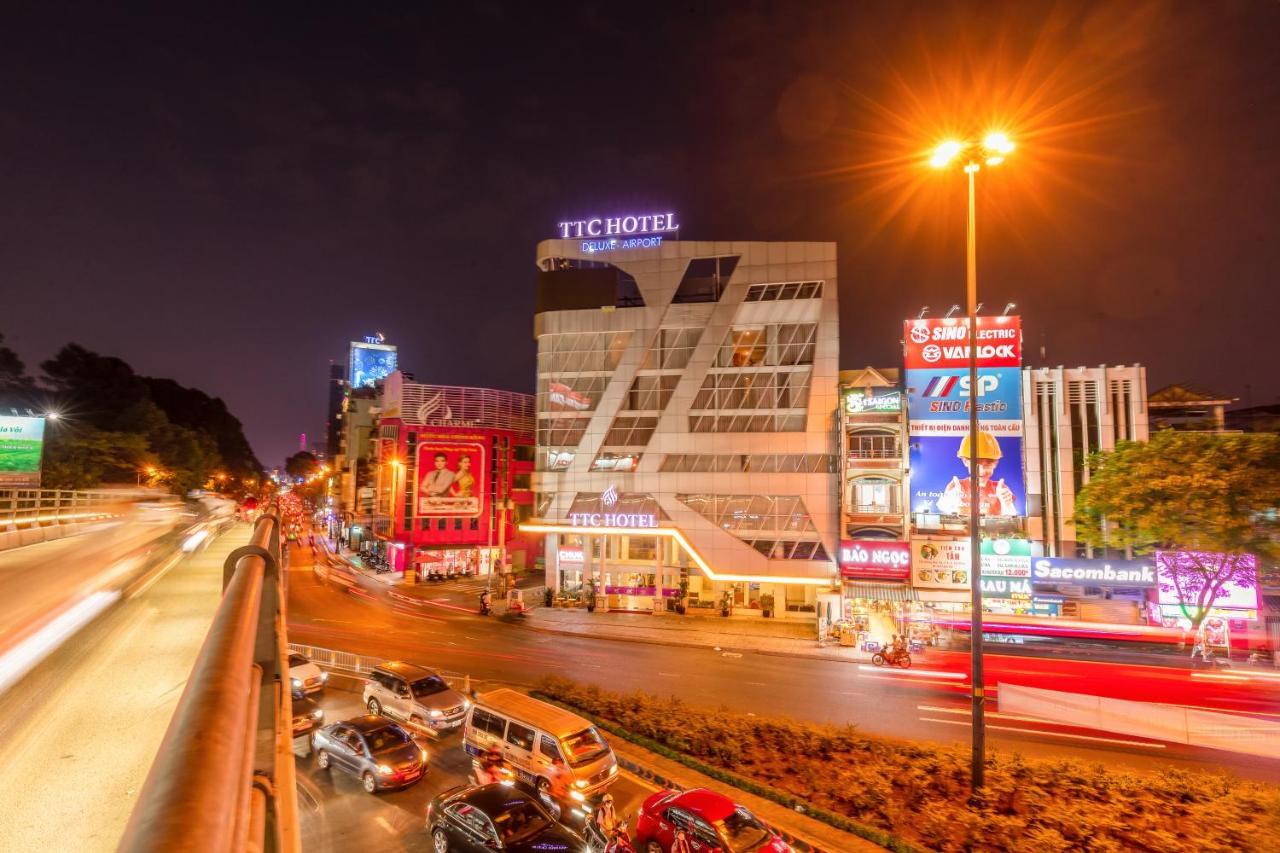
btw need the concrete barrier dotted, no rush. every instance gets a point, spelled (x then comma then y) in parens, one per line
(1172, 723)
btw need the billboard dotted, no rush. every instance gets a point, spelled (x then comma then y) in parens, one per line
(451, 478)
(21, 444)
(940, 475)
(943, 344)
(875, 559)
(939, 403)
(370, 362)
(858, 401)
(1005, 564)
(1180, 579)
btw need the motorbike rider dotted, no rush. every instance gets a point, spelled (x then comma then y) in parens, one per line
(681, 842)
(484, 602)
(490, 769)
(606, 817)
(899, 645)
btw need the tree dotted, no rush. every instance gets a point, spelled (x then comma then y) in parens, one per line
(15, 384)
(301, 465)
(84, 458)
(1209, 496)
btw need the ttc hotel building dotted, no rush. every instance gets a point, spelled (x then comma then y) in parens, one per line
(686, 405)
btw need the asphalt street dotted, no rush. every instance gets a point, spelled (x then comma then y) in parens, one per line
(446, 633)
(339, 816)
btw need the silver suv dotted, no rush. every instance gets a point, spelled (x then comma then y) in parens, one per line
(414, 694)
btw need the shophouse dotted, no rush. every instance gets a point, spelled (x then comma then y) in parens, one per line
(451, 478)
(686, 422)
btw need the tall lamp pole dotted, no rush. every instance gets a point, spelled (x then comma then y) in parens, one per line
(991, 152)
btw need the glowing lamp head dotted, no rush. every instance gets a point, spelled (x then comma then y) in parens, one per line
(997, 145)
(945, 153)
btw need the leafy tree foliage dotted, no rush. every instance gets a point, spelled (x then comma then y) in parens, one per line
(15, 385)
(118, 421)
(301, 465)
(1216, 495)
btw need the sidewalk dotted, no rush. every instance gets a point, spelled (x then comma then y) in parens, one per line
(733, 635)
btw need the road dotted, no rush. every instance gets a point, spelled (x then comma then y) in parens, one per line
(79, 732)
(339, 816)
(446, 633)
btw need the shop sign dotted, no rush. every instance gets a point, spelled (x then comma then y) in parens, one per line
(944, 563)
(943, 342)
(1005, 587)
(940, 563)
(875, 559)
(570, 555)
(617, 226)
(859, 402)
(613, 519)
(1073, 570)
(1182, 575)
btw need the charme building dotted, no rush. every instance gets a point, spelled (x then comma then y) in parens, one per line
(686, 420)
(451, 471)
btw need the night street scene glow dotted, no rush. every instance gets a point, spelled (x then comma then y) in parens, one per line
(719, 427)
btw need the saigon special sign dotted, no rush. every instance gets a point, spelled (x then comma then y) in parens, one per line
(944, 343)
(875, 559)
(451, 478)
(859, 401)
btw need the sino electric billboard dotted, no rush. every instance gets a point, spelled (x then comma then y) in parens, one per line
(939, 402)
(21, 443)
(451, 478)
(370, 362)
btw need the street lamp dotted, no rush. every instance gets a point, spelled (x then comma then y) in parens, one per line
(991, 151)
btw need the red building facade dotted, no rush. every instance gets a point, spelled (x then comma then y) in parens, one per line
(453, 471)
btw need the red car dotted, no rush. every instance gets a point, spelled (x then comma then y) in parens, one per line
(713, 823)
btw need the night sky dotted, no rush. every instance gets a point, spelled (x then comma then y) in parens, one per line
(227, 197)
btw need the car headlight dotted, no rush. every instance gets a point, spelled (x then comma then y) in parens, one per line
(424, 756)
(436, 713)
(466, 704)
(384, 769)
(324, 676)
(613, 771)
(296, 682)
(581, 783)
(318, 713)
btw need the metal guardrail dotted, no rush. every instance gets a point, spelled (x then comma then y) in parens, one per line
(25, 508)
(224, 778)
(349, 663)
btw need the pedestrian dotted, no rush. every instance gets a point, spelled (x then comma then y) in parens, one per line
(681, 842)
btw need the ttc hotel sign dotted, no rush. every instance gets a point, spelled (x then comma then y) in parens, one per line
(606, 233)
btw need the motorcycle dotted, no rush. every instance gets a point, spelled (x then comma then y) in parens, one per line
(484, 604)
(617, 841)
(892, 658)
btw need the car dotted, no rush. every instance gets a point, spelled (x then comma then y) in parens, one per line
(711, 821)
(506, 816)
(414, 694)
(379, 753)
(305, 675)
(307, 714)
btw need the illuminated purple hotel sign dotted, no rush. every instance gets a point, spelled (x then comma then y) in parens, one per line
(604, 234)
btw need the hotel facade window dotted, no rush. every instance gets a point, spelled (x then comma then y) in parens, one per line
(687, 445)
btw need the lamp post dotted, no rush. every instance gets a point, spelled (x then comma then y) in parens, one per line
(991, 151)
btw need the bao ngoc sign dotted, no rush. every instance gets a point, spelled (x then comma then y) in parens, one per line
(875, 559)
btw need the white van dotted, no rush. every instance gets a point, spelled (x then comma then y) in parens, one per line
(529, 734)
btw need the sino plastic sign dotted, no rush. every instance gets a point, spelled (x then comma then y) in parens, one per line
(21, 445)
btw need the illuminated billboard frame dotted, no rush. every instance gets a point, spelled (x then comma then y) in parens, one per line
(368, 362)
(21, 446)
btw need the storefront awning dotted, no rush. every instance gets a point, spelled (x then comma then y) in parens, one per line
(880, 591)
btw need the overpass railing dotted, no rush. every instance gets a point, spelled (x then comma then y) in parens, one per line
(21, 508)
(224, 778)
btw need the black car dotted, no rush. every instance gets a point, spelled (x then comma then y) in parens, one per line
(377, 752)
(307, 714)
(500, 816)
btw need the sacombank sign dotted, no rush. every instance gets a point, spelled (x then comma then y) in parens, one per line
(1130, 573)
(606, 233)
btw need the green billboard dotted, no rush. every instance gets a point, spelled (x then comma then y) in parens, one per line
(21, 440)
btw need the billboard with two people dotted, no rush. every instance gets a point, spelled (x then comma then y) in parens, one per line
(451, 478)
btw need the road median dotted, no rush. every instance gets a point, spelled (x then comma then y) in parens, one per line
(906, 795)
